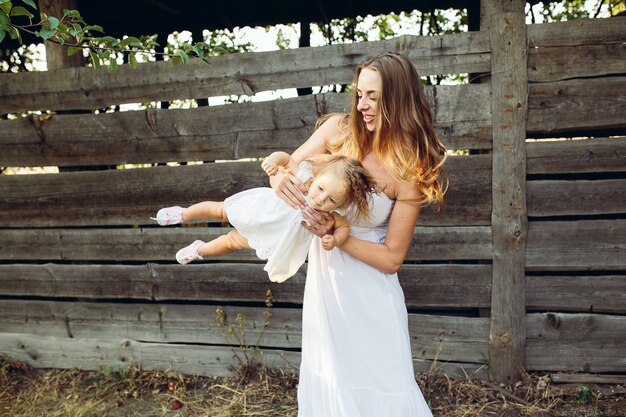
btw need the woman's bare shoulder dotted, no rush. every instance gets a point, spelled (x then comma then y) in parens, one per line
(334, 127)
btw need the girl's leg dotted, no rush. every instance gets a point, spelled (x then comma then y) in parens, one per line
(213, 210)
(226, 243)
(229, 242)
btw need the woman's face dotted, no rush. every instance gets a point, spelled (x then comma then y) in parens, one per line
(368, 89)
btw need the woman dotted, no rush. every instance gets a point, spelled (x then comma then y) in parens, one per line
(356, 354)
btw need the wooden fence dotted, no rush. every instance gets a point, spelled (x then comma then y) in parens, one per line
(87, 280)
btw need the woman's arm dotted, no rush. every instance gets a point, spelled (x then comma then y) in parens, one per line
(389, 256)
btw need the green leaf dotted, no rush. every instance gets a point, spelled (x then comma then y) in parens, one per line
(71, 13)
(131, 41)
(177, 60)
(95, 60)
(4, 1)
(15, 34)
(45, 33)
(6, 7)
(96, 28)
(183, 56)
(132, 60)
(72, 50)
(199, 51)
(31, 3)
(20, 11)
(2, 33)
(112, 68)
(61, 40)
(109, 40)
(5, 22)
(53, 22)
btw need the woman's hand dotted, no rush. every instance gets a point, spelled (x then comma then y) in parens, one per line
(289, 189)
(319, 223)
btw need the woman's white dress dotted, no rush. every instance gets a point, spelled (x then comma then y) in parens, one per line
(356, 353)
(272, 227)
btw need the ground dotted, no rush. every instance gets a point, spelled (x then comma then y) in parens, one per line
(28, 392)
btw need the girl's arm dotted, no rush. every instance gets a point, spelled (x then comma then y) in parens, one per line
(339, 236)
(388, 257)
(277, 160)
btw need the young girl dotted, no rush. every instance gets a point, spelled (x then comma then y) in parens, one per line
(264, 222)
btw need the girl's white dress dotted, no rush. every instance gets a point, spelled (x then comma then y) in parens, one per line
(272, 227)
(356, 353)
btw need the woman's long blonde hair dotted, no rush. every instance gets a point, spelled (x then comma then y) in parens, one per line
(404, 139)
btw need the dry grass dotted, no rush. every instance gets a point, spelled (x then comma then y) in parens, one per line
(27, 392)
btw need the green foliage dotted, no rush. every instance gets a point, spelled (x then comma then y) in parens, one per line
(585, 396)
(235, 334)
(72, 30)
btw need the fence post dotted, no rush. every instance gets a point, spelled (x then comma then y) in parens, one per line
(56, 55)
(505, 20)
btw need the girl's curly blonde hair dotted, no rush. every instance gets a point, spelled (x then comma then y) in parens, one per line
(357, 181)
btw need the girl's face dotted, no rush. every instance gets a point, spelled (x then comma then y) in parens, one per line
(326, 192)
(368, 89)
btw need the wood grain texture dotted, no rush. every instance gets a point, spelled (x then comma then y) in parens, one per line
(576, 156)
(234, 131)
(161, 244)
(131, 196)
(425, 285)
(459, 339)
(576, 342)
(509, 108)
(93, 354)
(581, 245)
(577, 105)
(576, 198)
(587, 294)
(245, 73)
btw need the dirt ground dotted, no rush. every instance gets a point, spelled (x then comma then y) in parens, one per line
(27, 392)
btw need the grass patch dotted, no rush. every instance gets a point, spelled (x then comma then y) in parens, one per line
(259, 392)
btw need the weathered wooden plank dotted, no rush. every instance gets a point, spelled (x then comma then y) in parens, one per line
(581, 197)
(576, 156)
(509, 108)
(462, 339)
(93, 354)
(246, 73)
(582, 245)
(562, 63)
(576, 342)
(461, 114)
(594, 293)
(559, 378)
(162, 323)
(131, 196)
(425, 285)
(575, 105)
(160, 244)
(577, 32)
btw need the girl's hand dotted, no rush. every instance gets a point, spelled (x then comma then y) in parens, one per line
(289, 189)
(320, 224)
(328, 242)
(269, 166)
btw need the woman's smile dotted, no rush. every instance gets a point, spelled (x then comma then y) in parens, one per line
(368, 93)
